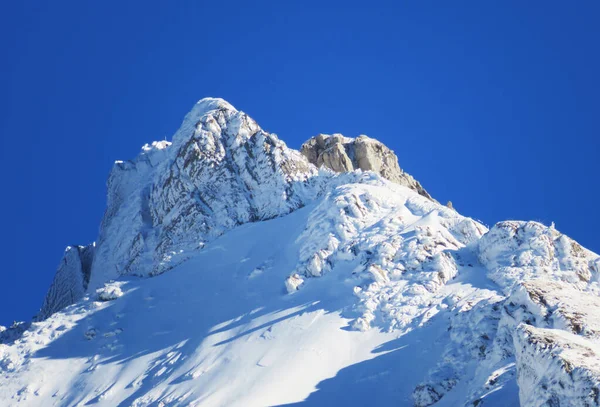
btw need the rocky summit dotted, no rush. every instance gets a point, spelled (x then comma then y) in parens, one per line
(343, 154)
(232, 270)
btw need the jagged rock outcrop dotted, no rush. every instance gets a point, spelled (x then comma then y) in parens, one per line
(71, 280)
(343, 154)
(556, 305)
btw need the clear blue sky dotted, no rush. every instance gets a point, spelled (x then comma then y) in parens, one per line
(493, 105)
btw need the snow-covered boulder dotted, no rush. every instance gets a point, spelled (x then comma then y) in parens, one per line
(111, 291)
(13, 332)
(293, 283)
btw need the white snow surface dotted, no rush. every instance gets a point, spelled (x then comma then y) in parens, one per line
(276, 283)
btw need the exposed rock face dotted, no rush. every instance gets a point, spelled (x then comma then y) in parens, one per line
(342, 154)
(71, 280)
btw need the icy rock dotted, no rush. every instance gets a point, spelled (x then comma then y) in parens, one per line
(343, 154)
(426, 395)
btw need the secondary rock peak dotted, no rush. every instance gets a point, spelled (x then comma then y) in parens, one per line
(342, 154)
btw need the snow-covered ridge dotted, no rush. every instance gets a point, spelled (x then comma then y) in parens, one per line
(295, 283)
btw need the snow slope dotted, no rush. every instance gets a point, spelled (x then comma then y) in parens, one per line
(230, 271)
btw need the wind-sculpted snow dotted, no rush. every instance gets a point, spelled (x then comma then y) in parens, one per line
(293, 284)
(404, 246)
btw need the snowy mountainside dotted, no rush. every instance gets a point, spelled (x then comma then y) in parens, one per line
(231, 271)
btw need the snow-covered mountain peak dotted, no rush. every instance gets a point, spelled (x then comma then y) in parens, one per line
(231, 270)
(207, 105)
(221, 170)
(206, 109)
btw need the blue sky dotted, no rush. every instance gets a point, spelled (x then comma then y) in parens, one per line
(493, 105)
